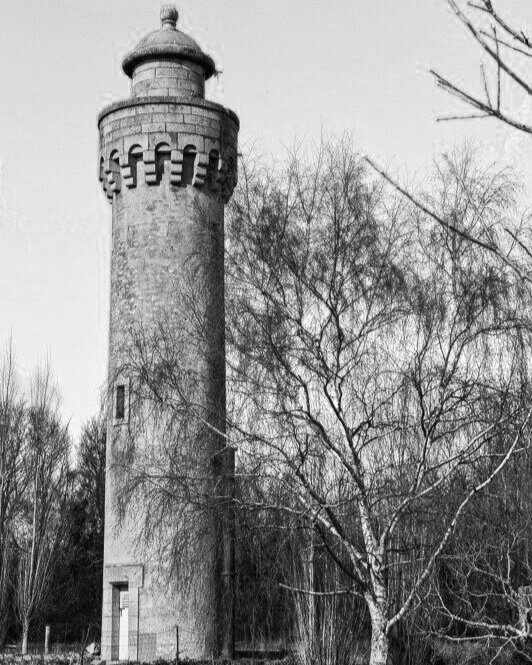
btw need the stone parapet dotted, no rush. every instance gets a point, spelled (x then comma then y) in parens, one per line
(143, 140)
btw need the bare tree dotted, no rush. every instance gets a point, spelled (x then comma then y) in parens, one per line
(324, 620)
(12, 476)
(390, 349)
(40, 532)
(91, 474)
(507, 49)
(477, 590)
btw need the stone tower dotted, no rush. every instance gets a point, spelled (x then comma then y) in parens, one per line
(168, 162)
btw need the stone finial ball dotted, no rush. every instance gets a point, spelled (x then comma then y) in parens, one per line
(169, 15)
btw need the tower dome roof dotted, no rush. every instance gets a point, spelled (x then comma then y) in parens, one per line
(168, 42)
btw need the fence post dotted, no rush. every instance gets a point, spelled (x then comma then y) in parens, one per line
(47, 640)
(177, 644)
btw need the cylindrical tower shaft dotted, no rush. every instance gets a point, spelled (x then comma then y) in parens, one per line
(168, 166)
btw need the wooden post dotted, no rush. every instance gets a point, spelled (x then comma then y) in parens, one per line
(177, 644)
(47, 640)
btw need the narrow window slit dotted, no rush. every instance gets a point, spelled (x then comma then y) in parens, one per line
(120, 406)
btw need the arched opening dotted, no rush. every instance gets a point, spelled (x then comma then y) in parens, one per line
(189, 164)
(162, 155)
(113, 158)
(101, 175)
(134, 157)
(112, 171)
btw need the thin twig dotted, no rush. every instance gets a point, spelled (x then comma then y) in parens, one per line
(490, 247)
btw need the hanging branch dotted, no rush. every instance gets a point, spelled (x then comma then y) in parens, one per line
(487, 7)
(491, 44)
(490, 247)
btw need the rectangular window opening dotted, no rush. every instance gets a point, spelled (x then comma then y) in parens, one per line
(120, 406)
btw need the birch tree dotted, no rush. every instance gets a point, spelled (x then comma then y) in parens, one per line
(40, 533)
(389, 348)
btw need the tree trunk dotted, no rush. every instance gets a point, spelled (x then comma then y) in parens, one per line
(379, 646)
(312, 626)
(25, 631)
(3, 621)
(380, 642)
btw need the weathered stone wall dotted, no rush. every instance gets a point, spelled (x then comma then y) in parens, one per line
(167, 77)
(167, 165)
(139, 129)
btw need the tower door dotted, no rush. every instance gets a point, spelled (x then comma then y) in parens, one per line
(123, 631)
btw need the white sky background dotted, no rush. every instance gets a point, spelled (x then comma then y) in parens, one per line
(290, 68)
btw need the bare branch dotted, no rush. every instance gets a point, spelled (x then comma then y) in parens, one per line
(490, 247)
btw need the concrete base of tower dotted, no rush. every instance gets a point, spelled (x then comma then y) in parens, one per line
(144, 621)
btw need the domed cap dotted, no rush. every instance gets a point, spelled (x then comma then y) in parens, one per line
(168, 43)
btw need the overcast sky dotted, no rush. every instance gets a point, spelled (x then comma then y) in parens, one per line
(290, 68)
